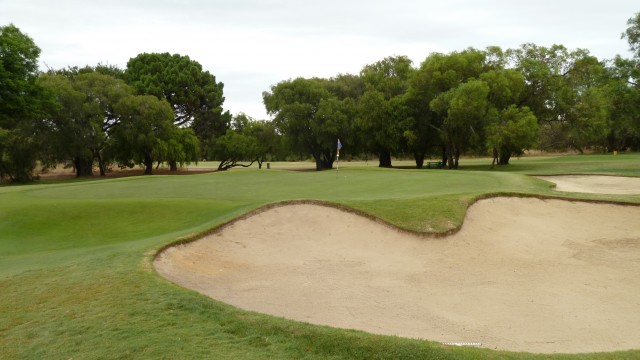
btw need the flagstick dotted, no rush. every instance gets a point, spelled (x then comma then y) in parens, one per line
(337, 165)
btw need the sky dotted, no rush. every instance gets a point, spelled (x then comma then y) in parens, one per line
(251, 45)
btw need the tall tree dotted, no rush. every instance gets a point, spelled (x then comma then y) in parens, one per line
(267, 138)
(309, 116)
(509, 128)
(510, 131)
(439, 74)
(565, 91)
(145, 131)
(232, 148)
(21, 105)
(384, 115)
(632, 34)
(195, 96)
(464, 109)
(83, 117)
(623, 89)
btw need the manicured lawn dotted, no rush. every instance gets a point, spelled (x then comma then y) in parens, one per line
(77, 282)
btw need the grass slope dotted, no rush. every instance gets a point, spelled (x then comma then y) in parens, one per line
(77, 282)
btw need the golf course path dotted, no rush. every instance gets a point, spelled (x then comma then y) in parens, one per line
(595, 184)
(522, 274)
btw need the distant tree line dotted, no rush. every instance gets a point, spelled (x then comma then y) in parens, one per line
(165, 108)
(492, 101)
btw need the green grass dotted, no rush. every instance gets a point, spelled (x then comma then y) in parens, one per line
(76, 279)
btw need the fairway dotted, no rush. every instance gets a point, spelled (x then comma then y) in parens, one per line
(77, 277)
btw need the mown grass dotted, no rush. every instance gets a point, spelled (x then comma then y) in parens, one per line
(76, 279)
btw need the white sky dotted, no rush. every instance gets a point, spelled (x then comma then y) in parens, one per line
(250, 45)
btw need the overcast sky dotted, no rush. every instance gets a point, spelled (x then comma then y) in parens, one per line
(250, 45)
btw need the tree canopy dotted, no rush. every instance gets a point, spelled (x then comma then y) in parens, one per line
(22, 103)
(195, 96)
(165, 108)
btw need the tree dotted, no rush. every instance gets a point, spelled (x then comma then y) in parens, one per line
(18, 155)
(195, 96)
(309, 116)
(632, 34)
(384, 116)
(82, 117)
(511, 131)
(21, 105)
(145, 131)
(509, 128)
(437, 74)
(561, 88)
(183, 148)
(464, 109)
(268, 141)
(18, 73)
(233, 147)
(623, 88)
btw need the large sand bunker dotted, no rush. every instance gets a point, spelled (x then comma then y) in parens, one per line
(595, 184)
(522, 274)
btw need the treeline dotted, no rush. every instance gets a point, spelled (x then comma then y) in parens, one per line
(492, 101)
(165, 108)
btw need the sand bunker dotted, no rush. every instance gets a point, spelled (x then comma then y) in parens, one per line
(595, 184)
(521, 275)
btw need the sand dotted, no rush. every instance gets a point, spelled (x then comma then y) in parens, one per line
(595, 184)
(522, 274)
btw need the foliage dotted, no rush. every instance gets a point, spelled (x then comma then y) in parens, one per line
(233, 147)
(632, 34)
(464, 109)
(183, 148)
(455, 103)
(194, 94)
(438, 74)
(562, 88)
(312, 119)
(145, 131)
(511, 131)
(18, 72)
(623, 90)
(21, 105)
(82, 117)
(19, 152)
(384, 115)
(268, 141)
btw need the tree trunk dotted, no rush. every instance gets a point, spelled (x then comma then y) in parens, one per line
(101, 164)
(324, 164)
(444, 155)
(504, 158)
(457, 158)
(84, 167)
(450, 155)
(419, 156)
(324, 161)
(385, 158)
(148, 163)
(173, 165)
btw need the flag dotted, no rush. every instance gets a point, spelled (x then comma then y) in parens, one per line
(339, 147)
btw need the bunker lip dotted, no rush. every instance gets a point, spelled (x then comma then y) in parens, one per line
(595, 184)
(522, 274)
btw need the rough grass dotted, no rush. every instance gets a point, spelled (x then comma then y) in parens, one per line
(75, 258)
